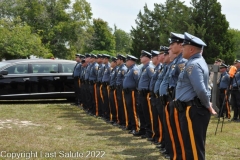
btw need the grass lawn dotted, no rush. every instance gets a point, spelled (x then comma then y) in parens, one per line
(61, 131)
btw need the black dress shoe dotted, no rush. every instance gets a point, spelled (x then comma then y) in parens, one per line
(167, 156)
(163, 150)
(150, 139)
(132, 132)
(139, 133)
(157, 143)
(144, 136)
(115, 124)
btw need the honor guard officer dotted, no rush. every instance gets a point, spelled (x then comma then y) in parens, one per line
(235, 94)
(99, 83)
(76, 74)
(160, 105)
(86, 82)
(175, 47)
(122, 111)
(223, 86)
(93, 108)
(157, 60)
(193, 96)
(105, 87)
(144, 105)
(165, 98)
(130, 83)
(112, 94)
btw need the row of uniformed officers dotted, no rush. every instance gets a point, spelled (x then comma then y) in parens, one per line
(166, 101)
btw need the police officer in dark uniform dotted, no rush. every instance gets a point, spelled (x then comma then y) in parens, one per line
(193, 98)
(130, 84)
(105, 87)
(99, 83)
(86, 82)
(112, 94)
(122, 111)
(144, 104)
(175, 47)
(93, 108)
(83, 85)
(76, 73)
(157, 60)
(235, 94)
(223, 86)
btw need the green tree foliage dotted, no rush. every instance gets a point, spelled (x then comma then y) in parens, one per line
(62, 24)
(102, 38)
(17, 41)
(211, 25)
(153, 27)
(236, 39)
(123, 41)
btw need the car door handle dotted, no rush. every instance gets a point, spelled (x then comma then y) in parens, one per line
(56, 78)
(25, 79)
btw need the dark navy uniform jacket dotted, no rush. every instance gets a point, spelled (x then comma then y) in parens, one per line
(131, 77)
(82, 74)
(177, 67)
(224, 81)
(87, 71)
(146, 74)
(106, 73)
(122, 70)
(113, 76)
(193, 81)
(160, 78)
(93, 72)
(237, 76)
(157, 70)
(77, 70)
(100, 72)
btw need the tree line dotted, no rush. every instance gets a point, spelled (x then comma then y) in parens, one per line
(61, 28)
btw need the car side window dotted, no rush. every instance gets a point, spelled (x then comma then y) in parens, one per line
(68, 68)
(44, 68)
(18, 69)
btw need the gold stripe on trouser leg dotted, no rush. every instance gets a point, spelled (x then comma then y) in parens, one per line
(150, 113)
(125, 108)
(116, 104)
(179, 133)
(79, 83)
(134, 110)
(96, 100)
(227, 105)
(170, 131)
(190, 130)
(101, 94)
(108, 89)
(160, 129)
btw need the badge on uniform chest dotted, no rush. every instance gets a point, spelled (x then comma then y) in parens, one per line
(181, 66)
(173, 66)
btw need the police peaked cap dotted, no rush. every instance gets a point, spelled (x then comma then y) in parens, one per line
(130, 57)
(223, 66)
(192, 40)
(77, 55)
(93, 56)
(176, 37)
(154, 53)
(87, 55)
(99, 56)
(122, 57)
(114, 59)
(164, 48)
(146, 54)
(105, 56)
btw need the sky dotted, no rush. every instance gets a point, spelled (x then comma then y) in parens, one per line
(124, 12)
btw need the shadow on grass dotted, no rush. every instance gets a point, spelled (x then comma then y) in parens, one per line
(133, 146)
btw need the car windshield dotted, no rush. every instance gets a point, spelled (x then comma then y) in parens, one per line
(2, 64)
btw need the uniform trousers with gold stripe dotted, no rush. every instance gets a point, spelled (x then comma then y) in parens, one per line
(113, 104)
(157, 125)
(160, 111)
(131, 105)
(194, 121)
(93, 108)
(99, 98)
(121, 110)
(105, 107)
(145, 113)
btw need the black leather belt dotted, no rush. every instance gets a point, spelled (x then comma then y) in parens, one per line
(91, 82)
(119, 86)
(105, 83)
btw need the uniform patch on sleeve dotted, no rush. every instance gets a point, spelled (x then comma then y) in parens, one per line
(123, 72)
(189, 69)
(173, 66)
(135, 72)
(181, 66)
